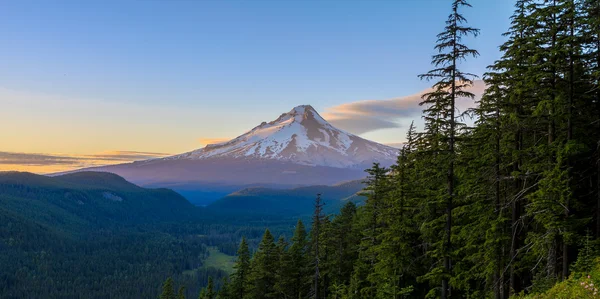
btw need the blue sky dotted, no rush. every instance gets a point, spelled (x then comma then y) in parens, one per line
(210, 69)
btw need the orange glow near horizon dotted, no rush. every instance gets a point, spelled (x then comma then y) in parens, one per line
(52, 163)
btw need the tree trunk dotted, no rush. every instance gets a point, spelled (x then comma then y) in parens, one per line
(498, 284)
(515, 215)
(565, 249)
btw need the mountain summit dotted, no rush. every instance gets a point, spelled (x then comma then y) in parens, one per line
(299, 148)
(299, 136)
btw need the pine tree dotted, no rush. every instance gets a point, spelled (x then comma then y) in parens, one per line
(511, 93)
(261, 279)
(395, 266)
(239, 281)
(345, 250)
(440, 114)
(225, 290)
(300, 269)
(369, 225)
(283, 276)
(168, 290)
(315, 238)
(181, 293)
(591, 41)
(210, 289)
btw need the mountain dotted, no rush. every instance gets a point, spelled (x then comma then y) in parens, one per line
(80, 201)
(299, 148)
(290, 202)
(300, 136)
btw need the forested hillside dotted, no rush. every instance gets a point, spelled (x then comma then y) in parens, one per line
(489, 210)
(95, 235)
(293, 202)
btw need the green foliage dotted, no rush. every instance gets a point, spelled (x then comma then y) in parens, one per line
(181, 293)
(262, 276)
(239, 280)
(168, 291)
(579, 285)
(62, 237)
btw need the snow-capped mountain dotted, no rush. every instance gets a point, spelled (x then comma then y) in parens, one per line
(299, 136)
(297, 149)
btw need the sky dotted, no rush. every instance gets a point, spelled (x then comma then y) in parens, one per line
(86, 83)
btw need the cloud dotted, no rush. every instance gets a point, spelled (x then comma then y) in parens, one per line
(126, 156)
(46, 163)
(369, 115)
(36, 159)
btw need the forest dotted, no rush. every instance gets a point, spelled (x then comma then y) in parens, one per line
(95, 235)
(499, 201)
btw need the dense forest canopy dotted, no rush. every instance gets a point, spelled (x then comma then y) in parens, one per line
(95, 235)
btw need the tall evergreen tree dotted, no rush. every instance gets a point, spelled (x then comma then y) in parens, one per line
(262, 279)
(283, 277)
(239, 281)
(315, 238)
(440, 115)
(300, 265)
(344, 244)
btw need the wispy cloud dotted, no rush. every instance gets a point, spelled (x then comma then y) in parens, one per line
(126, 156)
(45, 163)
(36, 159)
(369, 115)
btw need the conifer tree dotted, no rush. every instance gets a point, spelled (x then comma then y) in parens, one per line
(369, 225)
(210, 288)
(398, 235)
(181, 293)
(261, 280)
(315, 238)
(239, 281)
(300, 268)
(344, 245)
(208, 292)
(168, 290)
(440, 116)
(283, 278)
(225, 290)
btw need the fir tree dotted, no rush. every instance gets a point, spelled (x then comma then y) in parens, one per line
(283, 277)
(261, 279)
(440, 115)
(315, 238)
(181, 293)
(299, 269)
(239, 281)
(168, 290)
(210, 288)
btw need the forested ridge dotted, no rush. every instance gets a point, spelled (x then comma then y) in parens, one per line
(95, 235)
(507, 204)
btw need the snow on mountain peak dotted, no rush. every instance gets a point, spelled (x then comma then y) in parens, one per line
(300, 136)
